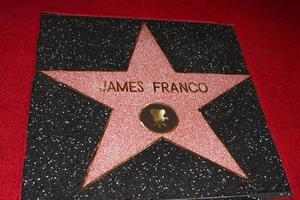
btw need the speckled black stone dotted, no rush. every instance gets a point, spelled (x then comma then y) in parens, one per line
(64, 126)
(89, 43)
(239, 121)
(199, 47)
(85, 43)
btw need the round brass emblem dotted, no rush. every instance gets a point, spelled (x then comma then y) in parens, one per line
(159, 118)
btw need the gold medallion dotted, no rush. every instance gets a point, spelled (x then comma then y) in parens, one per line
(159, 118)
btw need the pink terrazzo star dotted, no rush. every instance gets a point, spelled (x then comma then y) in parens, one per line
(125, 136)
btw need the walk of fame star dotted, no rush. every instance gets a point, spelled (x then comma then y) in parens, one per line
(125, 136)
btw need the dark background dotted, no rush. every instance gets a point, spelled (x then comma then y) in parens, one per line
(268, 32)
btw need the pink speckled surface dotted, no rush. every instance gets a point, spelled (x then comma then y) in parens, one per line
(125, 136)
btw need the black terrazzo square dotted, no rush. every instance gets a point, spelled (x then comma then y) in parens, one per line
(65, 126)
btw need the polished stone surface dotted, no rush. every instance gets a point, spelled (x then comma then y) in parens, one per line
(65, 126)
